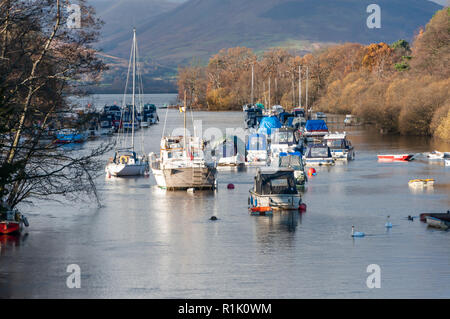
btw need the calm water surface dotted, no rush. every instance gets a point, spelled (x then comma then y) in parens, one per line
(148, 243)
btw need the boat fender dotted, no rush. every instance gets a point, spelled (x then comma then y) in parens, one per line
(302, 207)
(25, 221)
(213, 218)
(230, 186)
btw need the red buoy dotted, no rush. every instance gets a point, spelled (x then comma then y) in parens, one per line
(230, 186)
(302, 207)
(312, 171)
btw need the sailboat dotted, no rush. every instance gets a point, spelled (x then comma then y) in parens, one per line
(182, 163)
(125, 161)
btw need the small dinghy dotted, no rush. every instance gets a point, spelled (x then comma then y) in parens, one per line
(395, 157)
(429, 182)
(435, 155)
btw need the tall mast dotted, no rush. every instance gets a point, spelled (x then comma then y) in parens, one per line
(134, 87)
(300, 85)
(253, 79)
(270, 100)
(307, 78)
(185, 152)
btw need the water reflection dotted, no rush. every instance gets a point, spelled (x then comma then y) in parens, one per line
(278, 228)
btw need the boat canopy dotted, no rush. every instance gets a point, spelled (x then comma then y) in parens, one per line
(257, 142)
(275, 182)
(268, 124)
(284, 135)
(292, 160)
(318, 151)
(316, 126)
(284, 116)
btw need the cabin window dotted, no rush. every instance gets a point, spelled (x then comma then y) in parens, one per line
(280, 182)
(284, 137)
(319, 152)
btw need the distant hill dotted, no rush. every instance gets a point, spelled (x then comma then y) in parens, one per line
(200, 28)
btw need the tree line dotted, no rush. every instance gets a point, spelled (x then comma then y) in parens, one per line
(402, 88)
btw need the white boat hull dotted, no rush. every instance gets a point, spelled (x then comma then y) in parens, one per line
(119, 170)
(276, 201)
(185, 177)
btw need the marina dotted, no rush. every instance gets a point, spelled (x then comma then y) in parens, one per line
(169, 234)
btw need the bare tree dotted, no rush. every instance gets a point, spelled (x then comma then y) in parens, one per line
(42, 62)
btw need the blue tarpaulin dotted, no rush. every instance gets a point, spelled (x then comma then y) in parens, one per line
(268, 123)
(316, 125)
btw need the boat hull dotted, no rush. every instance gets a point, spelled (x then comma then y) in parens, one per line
(400, 157)
(319, 162)
(185, 177)
(10, 227)
(275, 201)
(437, 223)
(120, 170)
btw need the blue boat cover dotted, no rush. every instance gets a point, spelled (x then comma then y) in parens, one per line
(316, 125)
(290, 153)
(268, 123)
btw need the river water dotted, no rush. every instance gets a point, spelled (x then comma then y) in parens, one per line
(148, 243)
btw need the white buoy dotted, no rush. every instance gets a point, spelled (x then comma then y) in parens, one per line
(191, 190)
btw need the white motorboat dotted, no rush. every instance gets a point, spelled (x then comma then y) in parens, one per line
(182, 164)
(341, 148)
(257, 149)
(318, 155)
(274, 189)
(282, 140)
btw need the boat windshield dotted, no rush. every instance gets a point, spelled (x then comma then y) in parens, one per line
(336, 143)
(283, 138)
(291, 161)
(318, 152)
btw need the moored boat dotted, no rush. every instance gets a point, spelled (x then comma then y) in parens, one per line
(274, 189)
(182, 165)
(12, 222)
(294, 160)
(421, 182)
(318, 155)
(395, 157)
(69, 135)
(341, 148)
(257, 149)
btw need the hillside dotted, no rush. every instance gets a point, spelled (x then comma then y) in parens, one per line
(196, 29)
(201, 27)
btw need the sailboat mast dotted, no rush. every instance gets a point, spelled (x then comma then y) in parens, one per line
(185, 152)
(134, 88)
(300, 85)
(253, 80)
(307, 78)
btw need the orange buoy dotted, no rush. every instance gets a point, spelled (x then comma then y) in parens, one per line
(302, 207)
(230, 186)
(312, 171)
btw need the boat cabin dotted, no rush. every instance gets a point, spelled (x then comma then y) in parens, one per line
(319, 154)
(269, 181)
